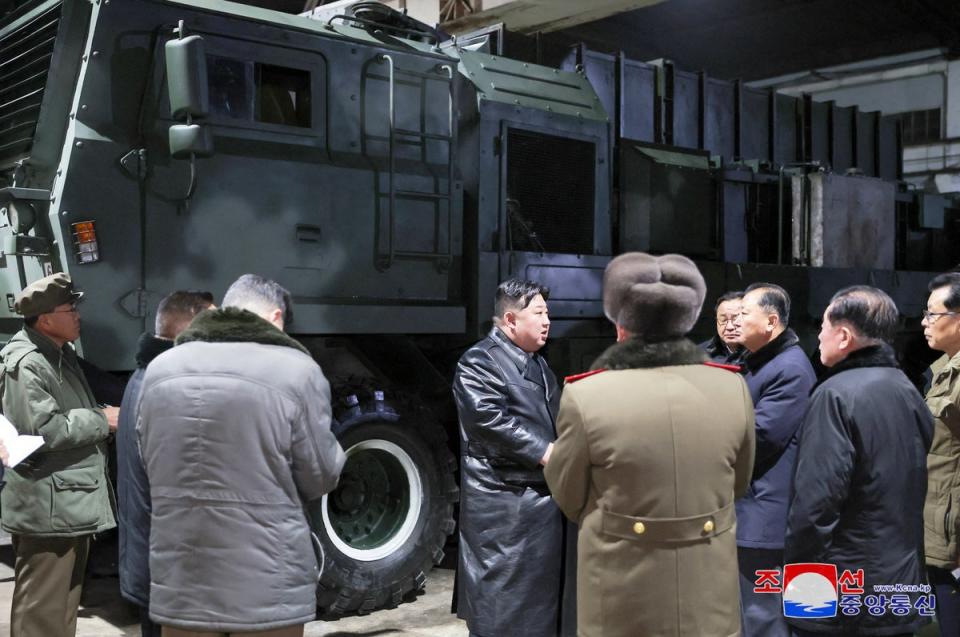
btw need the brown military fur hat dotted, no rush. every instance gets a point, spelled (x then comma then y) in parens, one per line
(655, 298)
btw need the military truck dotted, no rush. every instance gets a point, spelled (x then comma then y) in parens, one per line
(390, 180)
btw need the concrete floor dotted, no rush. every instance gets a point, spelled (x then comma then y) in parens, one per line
(103, 613)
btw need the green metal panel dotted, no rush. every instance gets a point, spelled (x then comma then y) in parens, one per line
(932, 210)
(41, 52)
(30, 14)
(511, 82)
(673, 157)
(288, 21)
(307, 203)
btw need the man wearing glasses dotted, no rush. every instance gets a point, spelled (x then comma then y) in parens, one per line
(941, 512)
(56, 499)
(725, 346)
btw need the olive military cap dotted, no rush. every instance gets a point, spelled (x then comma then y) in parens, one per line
(46, 294)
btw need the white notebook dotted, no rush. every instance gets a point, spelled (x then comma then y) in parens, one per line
(18, 447)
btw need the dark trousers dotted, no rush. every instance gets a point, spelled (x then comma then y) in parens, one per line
(48, 580)
(289, 631)
(147, 627)
(761, 614)
(803, 633)
(948, 600)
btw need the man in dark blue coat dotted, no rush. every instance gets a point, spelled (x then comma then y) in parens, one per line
(861, 472)
(780, 378)
(133, 492)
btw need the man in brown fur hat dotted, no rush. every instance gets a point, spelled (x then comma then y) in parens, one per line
(652, 449)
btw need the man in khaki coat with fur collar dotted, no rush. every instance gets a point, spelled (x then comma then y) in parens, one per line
(651, 453)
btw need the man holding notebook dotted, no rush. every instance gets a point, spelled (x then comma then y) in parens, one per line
(57, 498)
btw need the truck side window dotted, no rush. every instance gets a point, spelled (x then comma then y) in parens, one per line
(256, 92)
(283, 96)
(231, 87)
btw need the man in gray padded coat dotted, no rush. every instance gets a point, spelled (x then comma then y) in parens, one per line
(234, 430)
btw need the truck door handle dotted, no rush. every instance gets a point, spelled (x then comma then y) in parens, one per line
(308, 233)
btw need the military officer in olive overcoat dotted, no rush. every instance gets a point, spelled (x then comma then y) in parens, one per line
(55, 500)
(649, 457)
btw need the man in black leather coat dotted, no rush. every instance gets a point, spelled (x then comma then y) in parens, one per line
(510, 572)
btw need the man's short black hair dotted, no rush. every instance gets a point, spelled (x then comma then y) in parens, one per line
(727, 296)
(948, 280)
(774, 299)
(177, 309)
(868, 310)
(31, 321)
(516, 294)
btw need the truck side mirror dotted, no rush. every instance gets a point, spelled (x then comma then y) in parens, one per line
(187, 77)
(190, 139)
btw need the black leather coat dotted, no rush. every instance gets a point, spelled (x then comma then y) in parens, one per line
(510, 571)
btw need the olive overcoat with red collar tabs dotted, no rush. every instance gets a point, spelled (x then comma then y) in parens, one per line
(649, 458)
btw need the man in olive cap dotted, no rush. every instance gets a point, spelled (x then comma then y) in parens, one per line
(652, 449)
(58, 497)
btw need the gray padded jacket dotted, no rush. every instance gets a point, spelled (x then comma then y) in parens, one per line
(234, 432)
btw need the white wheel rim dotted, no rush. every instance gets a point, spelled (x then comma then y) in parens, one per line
(415, 489)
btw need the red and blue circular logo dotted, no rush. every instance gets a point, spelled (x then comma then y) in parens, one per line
(809, 590)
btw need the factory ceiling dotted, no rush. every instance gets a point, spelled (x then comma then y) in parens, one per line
(753, 39)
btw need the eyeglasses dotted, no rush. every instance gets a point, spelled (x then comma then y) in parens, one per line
(72, 309)
(933, 317)
(721, 321)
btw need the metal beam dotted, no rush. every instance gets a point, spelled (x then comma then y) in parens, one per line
(528, 16)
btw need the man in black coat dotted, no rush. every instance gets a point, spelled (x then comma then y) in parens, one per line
(510, 571)
(725, 346)
(174, 314)
(861, 472)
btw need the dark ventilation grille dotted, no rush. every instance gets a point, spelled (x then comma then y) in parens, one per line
(25, 55)
(550, 193)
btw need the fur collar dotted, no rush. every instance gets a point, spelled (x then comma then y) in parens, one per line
(768, 352)
(149, 347)
(634, 353)
(233, 325)
(872, 356)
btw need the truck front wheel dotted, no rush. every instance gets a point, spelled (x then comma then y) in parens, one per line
(385, 525)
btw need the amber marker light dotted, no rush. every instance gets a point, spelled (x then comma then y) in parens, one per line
(85, 240)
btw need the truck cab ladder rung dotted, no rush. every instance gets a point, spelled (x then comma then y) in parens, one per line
(413, 133)
(406, 254)
(426, 196)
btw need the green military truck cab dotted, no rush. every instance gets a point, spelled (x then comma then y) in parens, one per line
(154, 145)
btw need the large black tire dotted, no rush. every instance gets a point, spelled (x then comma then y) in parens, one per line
(385, 526)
